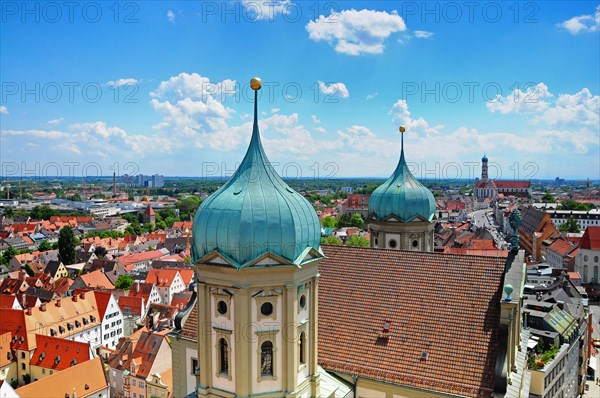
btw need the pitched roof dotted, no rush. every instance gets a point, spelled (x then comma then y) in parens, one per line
(162, 276)
(13, 286)
(52, 267)
(190, 327)
(138, 257)
(512, 184)
(561, 247)
(591, 238)
(131, 305)
(7, 300)
(426, 317)
(57, 315)
(58, 354)
(61, 285)
(96, 279)
(102, 299)
(83, 380)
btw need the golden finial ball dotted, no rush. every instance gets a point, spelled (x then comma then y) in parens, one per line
(255, 83)
(402, 129)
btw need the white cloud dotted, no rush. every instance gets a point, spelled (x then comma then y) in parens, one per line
(354, 32)
(401, 116)
(422, 34)
(171, 16)
(580, 109)
(334, 89)
(320, 130)
(267, 9)
(275, 110)
(371, 96)
(533, 99)
(195, 86)
(54, 122)
(122, 82)
(571, 111)
(582, 23)
(3, 110)
(315, 119)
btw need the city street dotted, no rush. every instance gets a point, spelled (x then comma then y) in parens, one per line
(484, 219)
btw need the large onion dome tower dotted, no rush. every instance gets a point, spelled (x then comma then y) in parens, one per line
(256, 250)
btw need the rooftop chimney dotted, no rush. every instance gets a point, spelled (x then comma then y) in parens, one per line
(43, 307)
(28, 311)
(58, 302)
(74, 298)
(82, 295)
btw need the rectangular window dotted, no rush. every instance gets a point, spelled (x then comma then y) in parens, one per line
(194, 369)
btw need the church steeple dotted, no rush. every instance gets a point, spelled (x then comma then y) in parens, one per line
(484, 168)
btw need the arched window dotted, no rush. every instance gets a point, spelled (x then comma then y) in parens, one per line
(266, 359)
(585, 273)
(302, 348)
(223, 356)
(595, 278)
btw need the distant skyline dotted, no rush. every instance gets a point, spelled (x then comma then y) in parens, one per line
(162, 88)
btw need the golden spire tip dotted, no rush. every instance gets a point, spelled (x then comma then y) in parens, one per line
(255, 83)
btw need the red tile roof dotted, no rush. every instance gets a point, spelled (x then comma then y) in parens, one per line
(591, 238)
(83, 380)
(7, 300)
(162, 277)
(139, 257)
(561, 247)
(131, 305)
(456, 205)
(512, 184)
(443, 304)
(102, 299)
(58, 354)
(97, 279)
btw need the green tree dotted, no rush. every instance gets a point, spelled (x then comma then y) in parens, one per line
(45, 246)
(329, 222)
(170, 220)
(29, 270)
(188, 206)
(161, 225)
(345, 220)
(8, 255)
(43, 213)
(571, 225)
(66, 245)
(548, 198)
(124, 282)
(357, 240)
(570, 204)
(331, 240)
(356, 221)
(148, 227)
(9, 211)
(164, 213)
(76, 197)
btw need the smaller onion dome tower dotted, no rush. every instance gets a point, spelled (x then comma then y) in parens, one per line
(401, 211)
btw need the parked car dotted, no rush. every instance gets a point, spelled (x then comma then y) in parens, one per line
(596, 343)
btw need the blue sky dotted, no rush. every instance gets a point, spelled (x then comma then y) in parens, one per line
(155, 87)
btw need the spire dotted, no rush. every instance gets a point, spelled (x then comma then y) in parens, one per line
(255, 84)
(400, 169)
